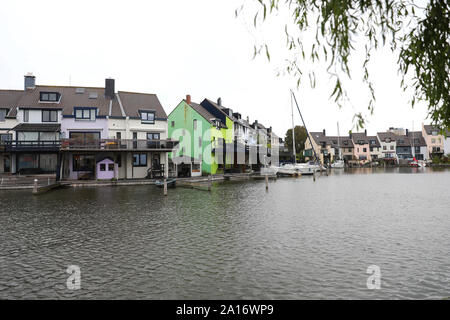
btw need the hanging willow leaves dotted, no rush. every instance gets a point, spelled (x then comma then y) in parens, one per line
(418, 34)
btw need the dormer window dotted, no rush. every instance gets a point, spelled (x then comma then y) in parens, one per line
(373, 142)
(147, 117)
(85, 113)
(49, 97)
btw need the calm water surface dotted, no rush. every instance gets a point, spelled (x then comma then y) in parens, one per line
(300, 240)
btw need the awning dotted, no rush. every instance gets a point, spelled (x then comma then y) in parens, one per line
(38, 127)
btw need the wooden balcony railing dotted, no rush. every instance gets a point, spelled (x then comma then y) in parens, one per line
(29, 145)
(116, 144)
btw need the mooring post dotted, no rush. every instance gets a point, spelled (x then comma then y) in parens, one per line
(165, 186)
(267, 182)
(314, 176)
(35, 187)
(48, 181)
(209, 182)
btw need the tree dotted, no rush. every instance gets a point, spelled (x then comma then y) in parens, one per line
(300, 138)
(418, 35)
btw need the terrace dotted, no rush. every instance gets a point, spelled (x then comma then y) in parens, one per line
(117, 145)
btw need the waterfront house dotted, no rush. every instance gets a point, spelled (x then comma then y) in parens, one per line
(447, 142)
(403, 147)
(374, 148)
(321, 145)
(388, 144)
(35, 139)
(200, 134)
(8, 111)
(434, 140)
(361, 147)
(100, 125)
(418, 145)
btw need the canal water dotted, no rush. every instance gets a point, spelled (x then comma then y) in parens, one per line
(300, 240)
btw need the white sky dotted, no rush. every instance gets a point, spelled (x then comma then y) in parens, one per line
(173, 48)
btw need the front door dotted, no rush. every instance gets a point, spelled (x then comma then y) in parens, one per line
(6, 164)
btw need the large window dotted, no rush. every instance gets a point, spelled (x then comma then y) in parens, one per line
(49, 96)
(49, 115)
(26, 115)
(85, 137)
(148, 117)
(5, 137)
(83, 162)
(152, 136)
(139, 160)
(85, 113)
(3, 113)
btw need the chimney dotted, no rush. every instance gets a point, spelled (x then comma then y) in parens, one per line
(109, 88)
(188, 99)
(30, 81)
(365, 132)
(324, 132)
(248, 119)
(407, 132)
(219, 101)
(350, 134)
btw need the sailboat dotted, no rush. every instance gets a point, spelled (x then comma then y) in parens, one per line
(415, 163)
(338, 163)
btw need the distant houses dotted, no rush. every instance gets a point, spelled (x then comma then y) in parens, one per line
(396, 145)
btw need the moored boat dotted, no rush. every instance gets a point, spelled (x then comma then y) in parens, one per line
(171, 183)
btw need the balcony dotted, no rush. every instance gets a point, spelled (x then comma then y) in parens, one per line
(117, 145)
(30, 146)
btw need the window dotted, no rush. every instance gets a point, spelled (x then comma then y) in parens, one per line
(373, 142)
(384, 148)
(49, 115)
(5, 137)
(139, 160)
(85, 138)
(49, 96)
(118, 135)
(392, 148)
(110, 166)
(152, 136)
(85, 113)
(364, 149)
(148, 117)
(173, 124)
(26, 115)
(195, 124)
(3, 113)
(102, 167)
(83, 162)
(433, 140)
(371, 149)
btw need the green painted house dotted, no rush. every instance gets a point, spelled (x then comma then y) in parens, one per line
(201, 134)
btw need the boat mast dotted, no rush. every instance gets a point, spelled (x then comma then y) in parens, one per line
(339, 144)
(412, 132)
(293, 132)
(307, 132)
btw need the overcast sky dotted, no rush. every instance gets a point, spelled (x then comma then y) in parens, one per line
(178, 47)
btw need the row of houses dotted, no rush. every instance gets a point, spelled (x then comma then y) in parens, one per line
(98, 133)
(393, 145)
(210, 130)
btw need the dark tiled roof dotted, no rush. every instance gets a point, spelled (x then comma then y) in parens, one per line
(419, 141)
(360, 136)
(220, 108)
(377, 142)
(429, 128)
(9, 99)
(45, 127)
(386, 135)
(205, 113)
(133, 102)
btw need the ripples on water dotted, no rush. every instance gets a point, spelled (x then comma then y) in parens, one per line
(299, 240)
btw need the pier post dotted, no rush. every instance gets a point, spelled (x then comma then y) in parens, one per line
(209, 182)
(314, 176)
(35, 187)
(267, 182)
(165, 186)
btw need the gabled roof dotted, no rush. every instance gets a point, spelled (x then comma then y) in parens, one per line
(360, 136)
(429, 129)
(383, 136)
(205, 113)
(219, 108)
(419, 141)
(132, 102)
(9, 99)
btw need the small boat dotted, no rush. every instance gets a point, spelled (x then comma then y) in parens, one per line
(288, 170)
(417, 163)
(269, 170)
(171, 183)
(338, 164)
(308, 168)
